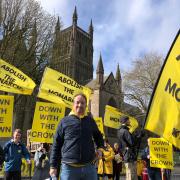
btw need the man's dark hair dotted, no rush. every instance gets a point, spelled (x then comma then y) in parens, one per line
(80, 94)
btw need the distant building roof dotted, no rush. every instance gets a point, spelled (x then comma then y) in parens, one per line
(92, 84)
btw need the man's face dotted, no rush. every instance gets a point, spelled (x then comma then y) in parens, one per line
(16, 137)
(79, 105)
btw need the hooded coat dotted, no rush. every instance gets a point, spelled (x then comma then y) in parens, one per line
(105, 165)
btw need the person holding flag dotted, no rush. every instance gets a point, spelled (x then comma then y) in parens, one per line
(153, 173)
(128, 144)
(73, 144)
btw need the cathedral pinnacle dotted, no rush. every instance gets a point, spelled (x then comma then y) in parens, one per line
(75, 17)
(100, 68)
(91, 29)
(118, 74)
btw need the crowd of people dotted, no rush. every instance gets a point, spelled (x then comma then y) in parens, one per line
(77, 144)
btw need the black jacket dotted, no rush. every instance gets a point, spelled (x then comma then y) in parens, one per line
(73, 141)
(127, 143)
(1, 156)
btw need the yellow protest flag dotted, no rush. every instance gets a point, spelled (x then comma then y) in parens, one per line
(59, 88)
(163, 116)
(112, 118)
(100, 125)
(161, 153)
(13, 80)
(25, 168)
(6, 115)
(46, 118)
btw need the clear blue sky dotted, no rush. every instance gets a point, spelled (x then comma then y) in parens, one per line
(123, 29)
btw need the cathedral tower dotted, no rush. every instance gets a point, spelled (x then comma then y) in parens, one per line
(73, 51)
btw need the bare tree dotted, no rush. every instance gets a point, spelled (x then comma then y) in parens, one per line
(27, 35)
(140, 80)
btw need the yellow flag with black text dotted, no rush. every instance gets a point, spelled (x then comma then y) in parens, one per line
(13, 80)
(46, 119)
(161, 153)
(6, 115)
(112, 118)
(100, 125)
(59, 88)
(163, 117)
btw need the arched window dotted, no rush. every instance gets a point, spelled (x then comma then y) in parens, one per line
(80, 48)
(86, 52)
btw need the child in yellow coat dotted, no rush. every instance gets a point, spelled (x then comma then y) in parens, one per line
(105, 166)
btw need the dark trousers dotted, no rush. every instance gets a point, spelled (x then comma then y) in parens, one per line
(154, 174)
(12, 175)
(116, 175)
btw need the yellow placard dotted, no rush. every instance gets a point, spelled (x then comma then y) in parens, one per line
(46, 118)
(112, 118)
(13, 80)
(6, 115)
(163, 116)
(59, 88)
(161, 153)
(99, 123)
(26, 169)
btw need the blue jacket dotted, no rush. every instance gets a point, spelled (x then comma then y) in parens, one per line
(73, 141)
(13, 155)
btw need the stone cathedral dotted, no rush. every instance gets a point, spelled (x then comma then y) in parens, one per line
(73, 56)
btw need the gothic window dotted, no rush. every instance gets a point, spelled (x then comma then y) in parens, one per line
(66, 47)
(86, 52)
(80, 48)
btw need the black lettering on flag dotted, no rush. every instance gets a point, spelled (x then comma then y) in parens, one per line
(175, 132)
(12, 71)
(4, 101)
(1, 119)
(3, 110)
(5, 129)
(178, 57)
(70, 82)
(49, 117)
(173, 89)
(10, 83)
(36, 134)
(160, 149)
(161, 162)
(114, 119)
(62, 96)
(50, 109)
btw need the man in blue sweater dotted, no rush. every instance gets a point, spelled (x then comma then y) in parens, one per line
(14, 150)
(74, 144)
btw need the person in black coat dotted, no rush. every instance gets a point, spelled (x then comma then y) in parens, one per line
(1, 156)
(153, 173)
(128, 144)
